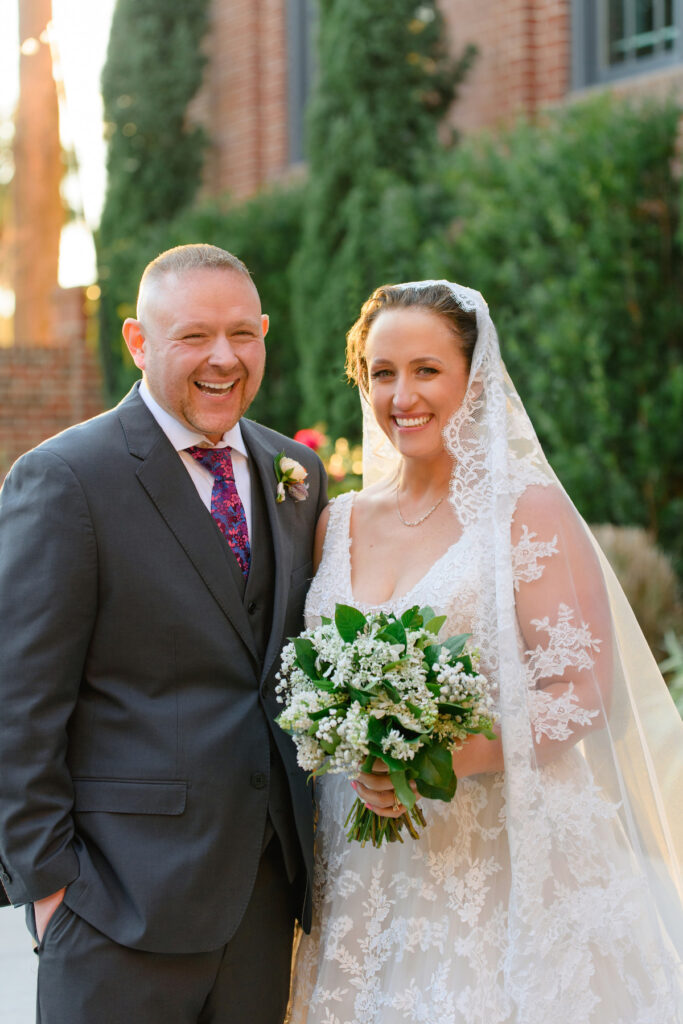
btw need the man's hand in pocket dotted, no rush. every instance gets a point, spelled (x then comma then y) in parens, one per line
(44, 909)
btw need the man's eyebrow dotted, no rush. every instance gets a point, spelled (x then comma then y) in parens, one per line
(199, 325)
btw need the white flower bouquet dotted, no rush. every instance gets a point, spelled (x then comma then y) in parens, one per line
(379, 686)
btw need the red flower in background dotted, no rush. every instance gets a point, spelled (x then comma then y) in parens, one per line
(311, 437)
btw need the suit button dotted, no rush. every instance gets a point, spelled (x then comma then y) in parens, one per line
(251, 607)
(259, 780)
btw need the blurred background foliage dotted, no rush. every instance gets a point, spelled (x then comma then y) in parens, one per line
(154, 163)
(570, 226)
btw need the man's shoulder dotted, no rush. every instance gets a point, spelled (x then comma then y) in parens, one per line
(83, 443)
(282, 443)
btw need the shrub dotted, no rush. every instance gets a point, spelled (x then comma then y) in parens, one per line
(648, 579)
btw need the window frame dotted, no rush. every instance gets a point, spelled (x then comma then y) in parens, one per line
(588, 32)
(301, 27)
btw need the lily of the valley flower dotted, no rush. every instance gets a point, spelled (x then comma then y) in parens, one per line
(290, 476)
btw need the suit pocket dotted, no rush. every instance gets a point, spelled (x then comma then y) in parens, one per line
(120, 796)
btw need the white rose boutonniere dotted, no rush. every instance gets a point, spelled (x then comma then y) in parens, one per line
(291, 477)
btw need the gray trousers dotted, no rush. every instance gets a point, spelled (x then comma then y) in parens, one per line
(86, 978)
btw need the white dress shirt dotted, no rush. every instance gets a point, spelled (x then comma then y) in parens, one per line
(182, 437)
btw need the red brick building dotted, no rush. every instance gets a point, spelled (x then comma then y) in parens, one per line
(532, 54)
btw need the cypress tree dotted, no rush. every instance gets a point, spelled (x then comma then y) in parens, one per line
(385, 82)
(153, 69)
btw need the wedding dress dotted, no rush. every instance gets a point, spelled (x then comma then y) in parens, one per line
(545, 893)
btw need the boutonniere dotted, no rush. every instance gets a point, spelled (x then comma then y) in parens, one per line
(290, 478)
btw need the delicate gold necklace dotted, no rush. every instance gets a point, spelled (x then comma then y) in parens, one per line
(416, 522)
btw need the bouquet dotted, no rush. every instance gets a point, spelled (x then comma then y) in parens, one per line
(382, 686)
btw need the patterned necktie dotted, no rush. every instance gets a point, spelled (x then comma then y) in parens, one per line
(226, 507)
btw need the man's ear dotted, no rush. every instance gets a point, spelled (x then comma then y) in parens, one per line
(265, 323)
(135, 341)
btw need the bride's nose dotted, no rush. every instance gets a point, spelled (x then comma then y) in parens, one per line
(404, 395)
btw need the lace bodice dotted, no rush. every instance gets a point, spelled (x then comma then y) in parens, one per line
(449, 585)
(420, 932)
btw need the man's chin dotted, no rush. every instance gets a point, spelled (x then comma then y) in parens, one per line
(214, 427)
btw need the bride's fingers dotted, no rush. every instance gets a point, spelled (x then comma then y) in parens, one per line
(380, 800)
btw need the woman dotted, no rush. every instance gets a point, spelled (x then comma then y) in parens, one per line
(547, 891)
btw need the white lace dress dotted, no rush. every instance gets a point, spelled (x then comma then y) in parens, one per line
(418, 932)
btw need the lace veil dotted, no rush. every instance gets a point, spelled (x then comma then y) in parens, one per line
(590, 734)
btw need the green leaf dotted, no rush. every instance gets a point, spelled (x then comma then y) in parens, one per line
(427, 613)
(349, 622)
(435, 624)
(325, 621)
(305, 656)
(433, 765)
(392, 692)
(456, 644)
(362, 696)
(403, 791)
(411, 618)
(377, 729)
(431, 654)
(445, 793)
(317, 716)
(391, 665)
(393, 632)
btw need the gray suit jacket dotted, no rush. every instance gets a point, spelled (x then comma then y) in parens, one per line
(135, 710)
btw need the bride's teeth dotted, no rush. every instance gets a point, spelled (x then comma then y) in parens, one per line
(418, 422)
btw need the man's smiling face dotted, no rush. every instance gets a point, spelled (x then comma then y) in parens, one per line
(199, 340)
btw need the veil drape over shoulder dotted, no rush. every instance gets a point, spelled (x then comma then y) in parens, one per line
(592, 741)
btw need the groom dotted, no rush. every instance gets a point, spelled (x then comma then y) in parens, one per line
(152, 817)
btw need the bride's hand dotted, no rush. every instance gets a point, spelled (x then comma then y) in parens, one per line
(377, 793)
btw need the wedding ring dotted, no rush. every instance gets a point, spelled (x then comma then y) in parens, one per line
(397, 806)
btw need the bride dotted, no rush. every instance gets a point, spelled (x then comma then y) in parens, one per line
(547, 891)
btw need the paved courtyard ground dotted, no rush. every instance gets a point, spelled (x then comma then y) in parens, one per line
(18, 965)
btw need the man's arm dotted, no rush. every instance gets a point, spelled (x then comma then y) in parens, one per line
(48, 602)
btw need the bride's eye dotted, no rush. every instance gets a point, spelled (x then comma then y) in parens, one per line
(376, 374)
(429, 371)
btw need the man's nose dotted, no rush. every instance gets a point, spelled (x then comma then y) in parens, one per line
(222, 353)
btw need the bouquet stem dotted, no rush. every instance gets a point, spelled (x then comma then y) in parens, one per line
(364, 825)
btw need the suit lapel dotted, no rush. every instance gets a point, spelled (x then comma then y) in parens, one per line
(170, 488)
(263, 453)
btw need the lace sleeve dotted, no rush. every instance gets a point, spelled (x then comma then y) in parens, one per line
(563, 618)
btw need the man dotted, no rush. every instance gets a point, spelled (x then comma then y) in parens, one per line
(152, 816)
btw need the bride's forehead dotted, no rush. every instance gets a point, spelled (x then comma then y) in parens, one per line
(400, 330)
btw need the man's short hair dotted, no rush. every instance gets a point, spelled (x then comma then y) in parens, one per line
(196, 256)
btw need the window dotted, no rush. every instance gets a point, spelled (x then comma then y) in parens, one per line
(616, 38)
(300, 70)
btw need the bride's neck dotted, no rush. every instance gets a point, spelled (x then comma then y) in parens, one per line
(421, 476)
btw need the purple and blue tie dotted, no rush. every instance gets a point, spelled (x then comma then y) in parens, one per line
(226, 507)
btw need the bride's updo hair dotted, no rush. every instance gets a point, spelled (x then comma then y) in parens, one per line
(436, 298)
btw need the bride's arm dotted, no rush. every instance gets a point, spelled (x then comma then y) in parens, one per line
(319, 539)
(564, 619)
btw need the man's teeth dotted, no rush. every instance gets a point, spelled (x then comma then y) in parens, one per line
(215, 388)
(415, 421)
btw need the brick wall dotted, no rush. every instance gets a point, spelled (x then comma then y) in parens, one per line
(46, 388)
(523, 62)
(243, 100)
